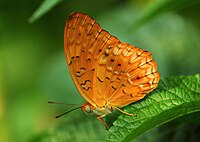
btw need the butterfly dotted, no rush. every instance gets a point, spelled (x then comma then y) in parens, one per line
(108, 73)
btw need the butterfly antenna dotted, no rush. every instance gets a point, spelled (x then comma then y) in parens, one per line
(68, 112)
(51, 102)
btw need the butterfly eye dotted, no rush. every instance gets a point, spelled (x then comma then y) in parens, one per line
(87, 109)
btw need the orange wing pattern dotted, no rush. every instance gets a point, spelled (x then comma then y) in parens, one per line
(126, 74)
(104, 69)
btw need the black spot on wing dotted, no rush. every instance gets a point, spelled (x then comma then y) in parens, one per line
(99, 79)
(124, 92)
(86, 82)
(107, 78)
(87, 88)
(113, 87)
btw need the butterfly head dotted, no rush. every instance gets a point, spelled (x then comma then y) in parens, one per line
(87, 108)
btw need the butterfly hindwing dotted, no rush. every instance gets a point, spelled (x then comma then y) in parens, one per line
(127, 74)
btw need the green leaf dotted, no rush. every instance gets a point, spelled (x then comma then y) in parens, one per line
(174, 97)
(46, 6)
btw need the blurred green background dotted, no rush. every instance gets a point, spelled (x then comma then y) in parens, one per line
(33, 70)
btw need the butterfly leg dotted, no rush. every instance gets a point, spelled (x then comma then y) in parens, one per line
(101, 120)
(130, 114)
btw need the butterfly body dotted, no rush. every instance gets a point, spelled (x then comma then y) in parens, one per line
(108, 73)
(105, 110)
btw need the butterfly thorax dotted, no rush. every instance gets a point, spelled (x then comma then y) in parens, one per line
(99, 111)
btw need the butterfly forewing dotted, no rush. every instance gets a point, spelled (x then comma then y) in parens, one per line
(105, 70)
(84, 41)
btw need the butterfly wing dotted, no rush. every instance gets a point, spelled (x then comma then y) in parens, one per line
(84, 41)
(104, 69)
(127, 74)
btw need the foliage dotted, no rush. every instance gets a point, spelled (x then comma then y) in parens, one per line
(46, 6)
(174, 97)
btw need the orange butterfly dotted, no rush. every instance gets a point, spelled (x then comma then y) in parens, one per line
(108, 73)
